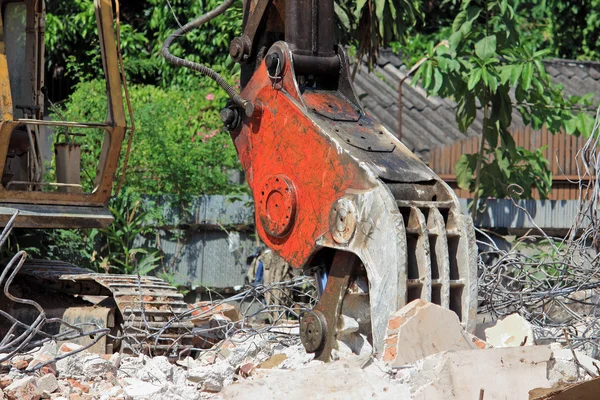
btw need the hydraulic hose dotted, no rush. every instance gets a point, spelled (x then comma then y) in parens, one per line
(203, 69)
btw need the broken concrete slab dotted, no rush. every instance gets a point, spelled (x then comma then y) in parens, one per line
(512, 331)
(345, 379)
(413, 333)
(506, 373)
(139, 389)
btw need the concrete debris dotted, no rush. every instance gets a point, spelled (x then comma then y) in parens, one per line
(88, 376)
(24, 389)
(47, 384)
(565, 369)
(343, 379)
(212, 379)
(139, 389)
(464, 374)
(413, 333)
(428, 355)
(512, 331)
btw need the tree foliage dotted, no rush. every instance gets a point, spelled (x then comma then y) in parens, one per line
(487, 66)
(376, 23)
(179, 147)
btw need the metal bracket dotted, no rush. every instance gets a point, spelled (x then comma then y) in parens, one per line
(318, 327)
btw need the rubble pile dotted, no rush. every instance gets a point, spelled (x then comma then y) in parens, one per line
(119, 376)
(424, 365)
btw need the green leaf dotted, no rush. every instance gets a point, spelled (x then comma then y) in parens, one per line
(439, 80)
(427, 74)
(503, 163)
(460, 19)
(490, 134)
(360, 4)
(464, 172)
(585, 124)
(505, 73)
(527, 76)
(379, 7)
(486, 47)
(508, 143)
(515, 74)
(455, 40)
(587, 99)
(342, 16)
(474, 78)
(466, 111)
(570, 125)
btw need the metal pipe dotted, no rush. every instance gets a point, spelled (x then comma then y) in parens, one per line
(203, 69)
(90, 125)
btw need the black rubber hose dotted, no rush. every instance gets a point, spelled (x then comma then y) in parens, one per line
(204, 70)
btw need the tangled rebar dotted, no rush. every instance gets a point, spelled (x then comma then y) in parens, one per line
(21, 337)
(552, 282)
(275, 320)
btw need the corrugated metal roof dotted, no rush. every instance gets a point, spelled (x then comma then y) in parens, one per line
(430, 121)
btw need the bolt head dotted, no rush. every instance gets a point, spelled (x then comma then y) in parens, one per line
(227, 116)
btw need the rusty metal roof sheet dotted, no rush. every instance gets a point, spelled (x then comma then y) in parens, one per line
(430, 121)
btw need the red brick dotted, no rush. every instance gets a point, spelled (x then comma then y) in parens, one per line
(79, 385)
(389, 354)
(395, 322)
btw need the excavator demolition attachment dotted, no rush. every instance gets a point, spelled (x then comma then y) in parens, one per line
(44, 188)
(336, 194)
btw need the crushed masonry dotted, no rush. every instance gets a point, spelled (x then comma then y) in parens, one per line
(428, 365)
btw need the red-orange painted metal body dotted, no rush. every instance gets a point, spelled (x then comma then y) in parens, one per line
(282, 140)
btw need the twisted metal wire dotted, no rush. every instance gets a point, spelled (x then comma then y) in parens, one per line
(552, 282)
(23, 338)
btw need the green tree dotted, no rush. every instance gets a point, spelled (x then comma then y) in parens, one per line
(373, 24)
(483, 64)
(179, 147)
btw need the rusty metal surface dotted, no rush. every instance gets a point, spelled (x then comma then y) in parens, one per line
(55, 216)
(115, 123)
(103, 317)
(329, 308)
(410, 235)
(147, 305)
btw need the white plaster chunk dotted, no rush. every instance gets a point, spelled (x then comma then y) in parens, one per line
(138, 389)
(512, 331)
